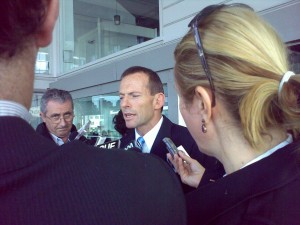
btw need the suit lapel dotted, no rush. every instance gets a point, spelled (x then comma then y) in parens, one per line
(158, 147)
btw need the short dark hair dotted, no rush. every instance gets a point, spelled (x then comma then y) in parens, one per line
(155, 85)
(19, 21)
(119, 123)
(53, 94)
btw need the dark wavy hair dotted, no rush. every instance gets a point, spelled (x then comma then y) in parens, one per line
(120, 124)
(19, 21)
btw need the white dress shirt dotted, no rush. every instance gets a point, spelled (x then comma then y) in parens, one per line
(10, 108)
(150, 136)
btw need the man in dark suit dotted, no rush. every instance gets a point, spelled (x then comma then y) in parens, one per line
(43, 183)
(57, 113)
(141, 100)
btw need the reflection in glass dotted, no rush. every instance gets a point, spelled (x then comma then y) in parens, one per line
(42, 61)
(35, 110)
(100, 110)
(93, 32)
(294, 56)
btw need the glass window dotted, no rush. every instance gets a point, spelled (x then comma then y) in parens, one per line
(294, 56)
(166, 107)
(92, 29)
(100, 110)
(42, 61)
(35, 110)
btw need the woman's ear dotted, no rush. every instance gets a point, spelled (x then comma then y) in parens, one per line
(44, 35)
(204, 101)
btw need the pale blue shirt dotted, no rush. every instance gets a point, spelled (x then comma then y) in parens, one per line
(10, 108)
(150, 136)
(57, 140)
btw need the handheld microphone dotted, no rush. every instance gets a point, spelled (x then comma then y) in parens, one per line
(73, 136)
(83, 130)
(82, 138)
(131, 144)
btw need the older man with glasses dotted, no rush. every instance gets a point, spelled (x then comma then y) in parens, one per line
(57, 115)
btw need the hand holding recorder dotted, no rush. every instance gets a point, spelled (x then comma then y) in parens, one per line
(189, 170)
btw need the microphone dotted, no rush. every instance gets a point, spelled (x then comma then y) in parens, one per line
(132, 144)
(82, 138)
(73, 136)
(83, 130)
(110, 144)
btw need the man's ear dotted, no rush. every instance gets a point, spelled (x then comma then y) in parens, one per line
(44, 34)
(204, 101)
(159, 100)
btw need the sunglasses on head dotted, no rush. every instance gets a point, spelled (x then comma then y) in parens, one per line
(194, 26)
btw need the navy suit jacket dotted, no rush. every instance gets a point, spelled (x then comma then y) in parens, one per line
(180, 136)
(42, 183)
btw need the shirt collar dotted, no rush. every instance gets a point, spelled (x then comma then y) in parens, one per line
(150, 136)
(272, 150)
(57, 140)
(10, 108)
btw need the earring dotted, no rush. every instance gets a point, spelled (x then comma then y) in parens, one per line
(203, 127)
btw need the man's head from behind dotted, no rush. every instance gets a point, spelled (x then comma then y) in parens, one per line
(22, 21)
(25, 26)
(142, 98)
(57, 112)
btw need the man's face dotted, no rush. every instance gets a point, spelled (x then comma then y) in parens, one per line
(61, 128)
(140, 109)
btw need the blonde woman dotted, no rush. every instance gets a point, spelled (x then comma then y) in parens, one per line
(240, 102)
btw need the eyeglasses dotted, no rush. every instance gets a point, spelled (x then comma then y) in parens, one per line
(194, 26)
(56, 118)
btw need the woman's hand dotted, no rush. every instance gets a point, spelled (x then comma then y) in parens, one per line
(189, 170)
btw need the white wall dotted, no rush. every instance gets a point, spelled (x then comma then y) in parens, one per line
(282, 14)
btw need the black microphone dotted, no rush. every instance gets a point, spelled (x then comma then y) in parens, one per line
(110, 144)
(131, 144)
(73, 135)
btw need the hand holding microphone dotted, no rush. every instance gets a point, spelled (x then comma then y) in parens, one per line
(189, 170)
